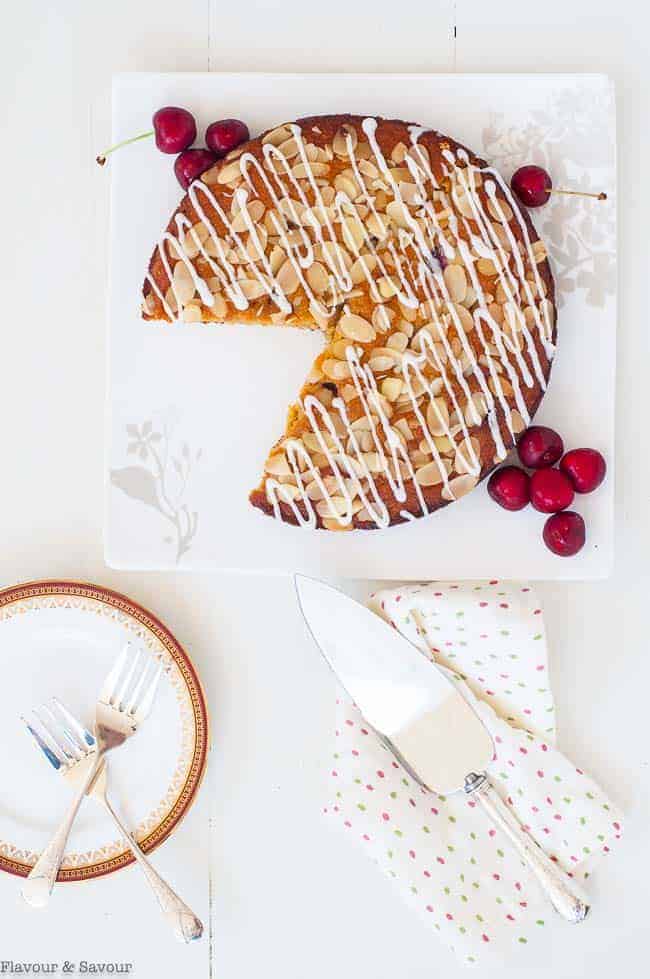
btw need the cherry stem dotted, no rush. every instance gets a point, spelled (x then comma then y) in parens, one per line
(580, 193)
(101, 159)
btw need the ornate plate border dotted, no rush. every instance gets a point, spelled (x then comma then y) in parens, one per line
(113, 599)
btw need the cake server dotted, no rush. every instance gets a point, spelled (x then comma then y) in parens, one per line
(422, 718)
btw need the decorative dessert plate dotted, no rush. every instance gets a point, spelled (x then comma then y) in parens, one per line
(59, 638)
(194, 408)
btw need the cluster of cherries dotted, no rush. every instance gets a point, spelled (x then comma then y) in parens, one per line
(174, 130)
(550, 490)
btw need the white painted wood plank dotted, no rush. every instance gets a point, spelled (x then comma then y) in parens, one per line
(339, 35)
(56, 63)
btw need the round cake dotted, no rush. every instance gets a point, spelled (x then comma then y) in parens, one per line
(428, 281)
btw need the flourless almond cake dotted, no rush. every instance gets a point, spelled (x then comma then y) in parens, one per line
(429, 283)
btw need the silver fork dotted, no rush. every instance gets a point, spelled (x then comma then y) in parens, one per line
(124, 703)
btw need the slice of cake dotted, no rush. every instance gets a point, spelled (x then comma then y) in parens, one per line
(429, 283)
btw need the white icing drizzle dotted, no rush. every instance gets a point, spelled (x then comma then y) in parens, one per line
(352, 488)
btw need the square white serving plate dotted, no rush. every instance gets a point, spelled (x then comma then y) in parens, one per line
(193, 410)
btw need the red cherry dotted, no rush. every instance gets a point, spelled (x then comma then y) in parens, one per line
(585, 468)
(550, 491)
(191, 164)
(564, 533)
(531, 185)
(223, 136)
(174, 129)
(510, 487)
(540, 447)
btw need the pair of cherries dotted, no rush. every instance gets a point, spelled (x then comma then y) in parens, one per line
(548, 489)
(174, 130)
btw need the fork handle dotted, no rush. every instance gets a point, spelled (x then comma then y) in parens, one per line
(184, 923)
(38, 886)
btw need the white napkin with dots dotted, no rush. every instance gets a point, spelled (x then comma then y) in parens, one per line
(443, 853)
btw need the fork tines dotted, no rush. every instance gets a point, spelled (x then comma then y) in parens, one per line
(58, 734)
(132, 683)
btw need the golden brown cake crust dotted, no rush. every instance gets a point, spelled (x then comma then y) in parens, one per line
(393, 138)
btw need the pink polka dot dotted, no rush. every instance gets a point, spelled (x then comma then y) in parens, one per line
(385, 816)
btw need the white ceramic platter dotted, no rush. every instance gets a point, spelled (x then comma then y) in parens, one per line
(59, 639)
(193, 410)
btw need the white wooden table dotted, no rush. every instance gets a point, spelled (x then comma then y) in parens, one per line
(292, 898)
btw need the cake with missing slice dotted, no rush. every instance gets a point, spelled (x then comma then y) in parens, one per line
(428, 281)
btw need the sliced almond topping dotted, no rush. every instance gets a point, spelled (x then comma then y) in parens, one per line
(500, 205)
(397, 341)
(335, 370)
(378, 365)
(345, 140)
(456, 282)
(252, 288)
(357, 328)
(318, 278)
(391, 388)
(463, 460)
(192, 313)
(437, 417)
(382, 317)
(229, 173)
(428, 475)
(278, 136)
(254, 209)
(399, 214)
(287, 278)
(183, 283)
(459, 487)
(346, 185)
(278, 465)
(465, 317)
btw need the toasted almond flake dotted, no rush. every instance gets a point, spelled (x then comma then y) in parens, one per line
(357, 328)
(254, 210)
(346, 139)
(302, 170)
(456, 282)
(333, 507)
(459, 487)
(380, 364)
(318, 278)
(463, 460)
(252, 288)
(183, 283)
(397, 341)
(192, 313)
(336, 370)
(287, 278)
(404, 428)
(388, 286)
(277, 136)
(437, 417)
(391, 388)
(465, 317)
(382, 317)
(428, 475)
(494, 206)
(219, 307)
(486, 267)
(230, 173)
(377, 226)
(278, 465)
(516, 422)
(399, 214)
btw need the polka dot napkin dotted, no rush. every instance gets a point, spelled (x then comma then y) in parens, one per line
(443, 853)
